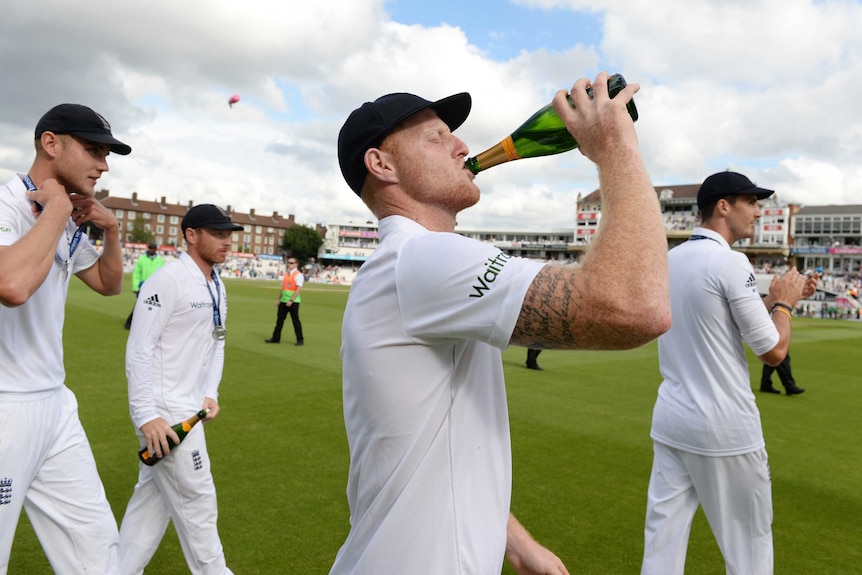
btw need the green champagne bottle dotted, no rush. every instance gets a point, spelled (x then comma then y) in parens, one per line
(182, 429)
(543, 134)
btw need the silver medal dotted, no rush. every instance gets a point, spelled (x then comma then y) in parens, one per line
(219, 332)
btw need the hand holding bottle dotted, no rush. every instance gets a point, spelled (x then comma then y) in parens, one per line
(211, 408)
(161, 437)
(545, 133)
(158, 433)
(601, 124)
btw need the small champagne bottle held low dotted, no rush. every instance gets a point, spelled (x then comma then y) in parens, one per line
(543, 134)
(181, 429)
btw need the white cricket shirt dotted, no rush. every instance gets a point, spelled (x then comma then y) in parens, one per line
(425, 403)
(172, 359)
(705, 404)
(31, 335)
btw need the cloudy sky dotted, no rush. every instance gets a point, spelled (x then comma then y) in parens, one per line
(770, 88)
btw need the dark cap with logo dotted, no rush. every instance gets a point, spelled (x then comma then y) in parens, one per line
(209, 216)
(724, 184)
(368, 125)
(83, 122)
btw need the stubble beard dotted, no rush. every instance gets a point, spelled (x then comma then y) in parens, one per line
(72, 187)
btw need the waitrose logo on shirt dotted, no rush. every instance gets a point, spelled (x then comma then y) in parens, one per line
(493, 267)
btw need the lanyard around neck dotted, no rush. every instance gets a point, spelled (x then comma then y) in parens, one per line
(76, 238)
(216, 298)
(696, 237)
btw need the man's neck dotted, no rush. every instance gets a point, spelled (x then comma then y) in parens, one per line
(719, 227)
(39, 173)
(438, 222)
(205, 266)
(433, 221)
(431, 217)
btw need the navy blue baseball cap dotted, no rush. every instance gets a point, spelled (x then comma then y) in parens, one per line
(724, 184)
(368, 126)
(208, 216)
(83, 122)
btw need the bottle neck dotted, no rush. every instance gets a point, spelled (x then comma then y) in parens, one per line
(500, 153)
(193, 420)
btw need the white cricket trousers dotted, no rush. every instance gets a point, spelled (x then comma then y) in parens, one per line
(47, 468)
(180, 488)
(736, 495)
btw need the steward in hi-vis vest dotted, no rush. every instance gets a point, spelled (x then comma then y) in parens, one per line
(291, 287)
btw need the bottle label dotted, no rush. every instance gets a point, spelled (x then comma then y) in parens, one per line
(509, 148)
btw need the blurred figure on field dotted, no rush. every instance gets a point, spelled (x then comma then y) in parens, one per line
(784, 374)
(291, 287)
(144, 268)
(532, 357)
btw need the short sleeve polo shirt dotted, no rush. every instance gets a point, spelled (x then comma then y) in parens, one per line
(425, 402)
(705, 404)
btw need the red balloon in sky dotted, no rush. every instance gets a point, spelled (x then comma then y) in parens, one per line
(233, 100)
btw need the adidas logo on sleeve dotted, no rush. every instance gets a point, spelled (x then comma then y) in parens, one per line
(153, 301)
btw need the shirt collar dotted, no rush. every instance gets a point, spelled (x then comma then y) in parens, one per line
(193, 268)
(711, 234)
(392, 224)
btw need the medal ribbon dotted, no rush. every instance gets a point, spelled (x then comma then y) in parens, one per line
(215, 298)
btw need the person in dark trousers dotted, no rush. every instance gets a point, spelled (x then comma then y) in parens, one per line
(291, 287)
(784, 374)
(532, 356)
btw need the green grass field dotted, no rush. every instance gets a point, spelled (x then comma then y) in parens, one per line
(580, 434)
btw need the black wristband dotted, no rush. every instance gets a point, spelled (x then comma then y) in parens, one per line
(784, 305)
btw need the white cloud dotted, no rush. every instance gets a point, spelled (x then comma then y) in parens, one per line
(767, 87)
(828, 182)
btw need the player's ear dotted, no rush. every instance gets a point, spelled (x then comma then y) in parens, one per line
(49, 143)
(381, 165)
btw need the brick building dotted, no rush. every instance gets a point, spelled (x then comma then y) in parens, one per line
(262, 234)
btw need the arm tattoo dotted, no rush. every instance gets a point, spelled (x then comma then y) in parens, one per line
(550, 307)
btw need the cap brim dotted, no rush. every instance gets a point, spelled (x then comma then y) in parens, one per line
(232, 227)
(762, 194)
(116, 146)
(454, 109)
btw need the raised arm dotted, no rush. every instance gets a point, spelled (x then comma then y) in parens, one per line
(785, 291)
(618, 298)
(25, 264)
(106, 275)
